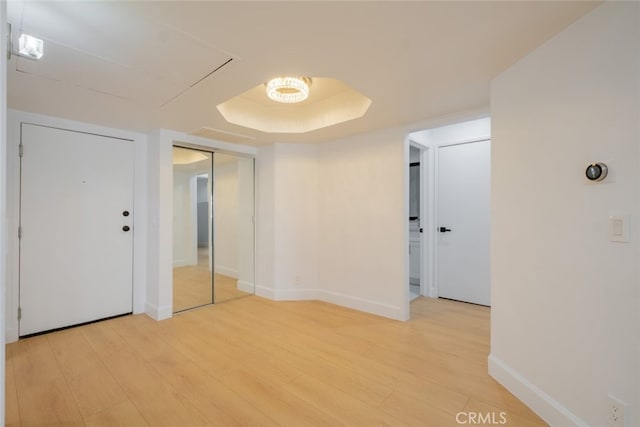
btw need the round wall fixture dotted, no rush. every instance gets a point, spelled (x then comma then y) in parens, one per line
(596, 171)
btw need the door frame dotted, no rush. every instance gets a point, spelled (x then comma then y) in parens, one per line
(14, 120)
(193, 201)
(159, 304)
(464, 131)
(426, 216)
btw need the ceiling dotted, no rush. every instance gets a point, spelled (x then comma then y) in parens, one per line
(151, 64)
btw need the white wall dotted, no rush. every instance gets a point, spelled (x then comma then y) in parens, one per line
(3, 188)
(296, 221)
(363, 211)
(158, 276)
(226, 194)
(565, 315)
(287, 222)
(331, 220)
(265, 221)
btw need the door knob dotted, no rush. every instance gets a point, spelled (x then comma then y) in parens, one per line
(444, 229)
(126, 228)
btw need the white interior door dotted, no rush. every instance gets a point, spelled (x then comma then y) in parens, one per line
(76, 245)
(464, 222)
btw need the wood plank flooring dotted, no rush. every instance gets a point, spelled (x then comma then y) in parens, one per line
(192, 288)
(192, 285)
(255, 362)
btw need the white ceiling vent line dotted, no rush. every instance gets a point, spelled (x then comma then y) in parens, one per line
(221, 135)
(206, 76)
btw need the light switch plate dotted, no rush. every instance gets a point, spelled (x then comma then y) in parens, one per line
(619, 228)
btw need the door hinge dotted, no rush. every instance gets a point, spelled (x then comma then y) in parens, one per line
(19, 313)
(20, 150)
(20, 232)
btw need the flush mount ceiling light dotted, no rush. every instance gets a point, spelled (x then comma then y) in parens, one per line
(288, 90)
(30, 47)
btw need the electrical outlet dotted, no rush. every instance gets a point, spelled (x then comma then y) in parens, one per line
(616, 412)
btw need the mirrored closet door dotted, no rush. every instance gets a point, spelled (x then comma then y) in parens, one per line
(213, 231)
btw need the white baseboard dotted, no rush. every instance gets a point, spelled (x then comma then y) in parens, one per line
(245, 286)
(295, 294)
(265, 292)
(547, 408)
(184, 262)
(225, 271)
(343, 300)
(158, 313)
(362, 304)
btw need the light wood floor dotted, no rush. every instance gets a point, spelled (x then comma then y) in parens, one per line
(255, 362)
(192, 285)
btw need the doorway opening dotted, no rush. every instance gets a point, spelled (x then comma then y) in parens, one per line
(454, 211)
(213, 230)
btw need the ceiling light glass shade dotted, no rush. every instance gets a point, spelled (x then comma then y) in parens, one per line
(30, 46)
(288, 90)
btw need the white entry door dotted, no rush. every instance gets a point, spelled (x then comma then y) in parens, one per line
(76, 245)
(464, 222)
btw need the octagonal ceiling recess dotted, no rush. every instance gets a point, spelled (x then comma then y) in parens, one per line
(330, 102)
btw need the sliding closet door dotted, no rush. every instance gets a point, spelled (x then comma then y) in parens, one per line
(192, 207)
(233, 226)
(213, 231)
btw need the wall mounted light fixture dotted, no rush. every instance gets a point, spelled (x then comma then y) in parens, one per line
(29, 47)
